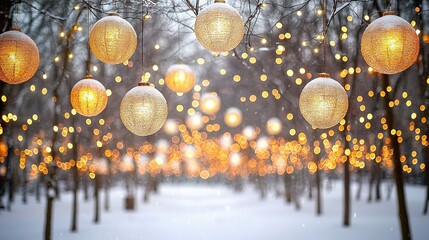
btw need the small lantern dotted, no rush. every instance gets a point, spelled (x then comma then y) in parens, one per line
(390, 44)
(323, 102)
(180, 78)
(112, 39)
(19, 57)
(88, 97)
(143, 110)
(233, 117)
(274, 126)
(219, 27)
(209, 103)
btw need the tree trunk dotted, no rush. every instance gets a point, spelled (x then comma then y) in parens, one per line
(97, 199)
(378, 184)
(50, 193)
(400, 193)
(75, 198)
(360, 183)
(310, 186)
(106, 196)
(288, 187)
(318, 191)
(346, 216)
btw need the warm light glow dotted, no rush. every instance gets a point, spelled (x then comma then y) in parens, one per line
(112, 39)
(274, 126)
(219, 27)
(210, 103)
(88, 97)
(171, 127)
(390, 45)
(180, 78)
(195, 122)
(19, 57)
(233, 117)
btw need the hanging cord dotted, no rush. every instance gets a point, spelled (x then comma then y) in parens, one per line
(324, 34)
(142, 42)
(88, 61)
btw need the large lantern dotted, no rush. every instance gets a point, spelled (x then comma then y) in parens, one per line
(143, 110)
(171, 127)
(233, 117)
(180, 78)
(19, 57)
(209, 103)
(112, 39)
(219, 27)
(323, 102)
(88, 97)
(390, 44)
(274, 126)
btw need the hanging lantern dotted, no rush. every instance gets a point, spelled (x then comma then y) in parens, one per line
(219, 27)
(210, 103)
(88, 97)
(143, 110)
(19, 57)
(274, 126)
(233, 117)
(112, 39)
(390, 44)
(171, 127)
(180, 78)
(195, 122)
(323, 102)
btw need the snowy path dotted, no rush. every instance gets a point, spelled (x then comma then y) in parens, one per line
(214, 212)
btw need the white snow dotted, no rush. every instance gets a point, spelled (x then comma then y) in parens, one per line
(199, 211)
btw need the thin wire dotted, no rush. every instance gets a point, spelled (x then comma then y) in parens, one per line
(88, 64)
(325, 33)
(142, 41)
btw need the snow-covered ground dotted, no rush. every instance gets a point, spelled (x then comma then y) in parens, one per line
(191, 211)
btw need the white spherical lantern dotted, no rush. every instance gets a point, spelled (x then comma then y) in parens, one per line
(323, 102)
(112, 39)
(390, 44)
(180, 78)
(274, 126)
(19, 57)
(210, 103)
(233, 117)
(195, 122)
(219, 27)
(171, 127)
(88, 97)
(143, 110)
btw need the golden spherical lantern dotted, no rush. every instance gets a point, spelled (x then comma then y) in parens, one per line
(88, 97)
(180, 78)
(219, 27)
(233, 117)
(19, 57)
(195, 122)
(112, 39)
(210, 103)
(274, 126)
(323, 102)
(171, 127)
(390, 44)
(143, 110)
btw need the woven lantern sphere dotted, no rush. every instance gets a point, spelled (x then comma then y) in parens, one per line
(219, 27)
(19, 57)
(390, 44)
(143, 110)
(233, 117)
(274, 126)
(323, 102)
(88, 97)
(112, 39)
(209, 103)
(180, 78)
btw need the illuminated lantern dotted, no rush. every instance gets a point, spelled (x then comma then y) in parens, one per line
(323, 102)
(233, 117)
(209, 103)
(88, 97)
(171, 127)
(143, 110)
(19, 57)
(219, 27)
(250, 133)
(195, 122)
(274, 126)
(390, 44)
(112, 39)
(180, 78)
